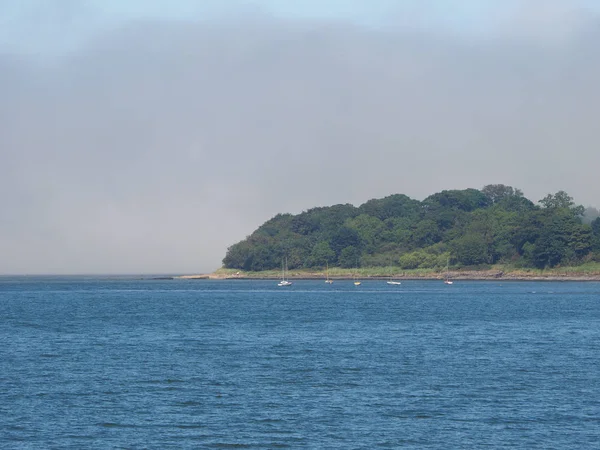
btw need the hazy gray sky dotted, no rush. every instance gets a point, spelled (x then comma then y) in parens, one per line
(147, 139)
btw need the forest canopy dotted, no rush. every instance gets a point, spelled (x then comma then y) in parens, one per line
(470, 227)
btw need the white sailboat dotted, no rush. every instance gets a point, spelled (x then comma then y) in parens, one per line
(391, 280)
(356, 281)
(283, 281)
(327, 279)
(447, 277)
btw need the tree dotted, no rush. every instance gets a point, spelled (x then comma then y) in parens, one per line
(526, 229)
(369, 229)
(562, 200)
(321, 254)
(349, 257)
(342, 238)
(426, 233)
(562, 240)
(498, 192)
(304, 223)
(581, 239)
(590, 214)
(397, 205)
(549, 250)
(465, 200)
(419, 260)
(470, 250)
(237, 255)
(595, 226)
(495, 224)
(492, 225)
(516, 204)
(331, 218)
(276, 225)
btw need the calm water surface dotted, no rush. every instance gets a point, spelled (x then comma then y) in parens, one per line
(117, 363)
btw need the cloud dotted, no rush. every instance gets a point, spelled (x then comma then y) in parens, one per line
(159, 144)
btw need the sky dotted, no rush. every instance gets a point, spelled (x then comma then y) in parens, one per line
(145, 137)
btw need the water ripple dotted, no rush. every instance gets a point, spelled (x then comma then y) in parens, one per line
(123, 363)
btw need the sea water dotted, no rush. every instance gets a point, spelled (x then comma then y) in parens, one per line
(125, 363)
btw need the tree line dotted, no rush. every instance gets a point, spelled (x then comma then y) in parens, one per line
(471, 227)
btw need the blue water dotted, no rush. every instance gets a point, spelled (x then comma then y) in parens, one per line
(118, 363)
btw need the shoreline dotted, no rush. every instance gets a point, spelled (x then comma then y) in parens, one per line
(454, 275)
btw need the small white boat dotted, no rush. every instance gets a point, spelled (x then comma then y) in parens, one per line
(391, 278)
(447, 278)
(283, 281)
(356, 281)
(327, 279)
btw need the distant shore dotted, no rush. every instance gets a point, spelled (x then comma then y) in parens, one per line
(473, 275)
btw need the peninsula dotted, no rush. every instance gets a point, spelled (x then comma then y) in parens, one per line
(489, 233)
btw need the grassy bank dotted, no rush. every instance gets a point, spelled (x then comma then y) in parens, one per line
(588, 271)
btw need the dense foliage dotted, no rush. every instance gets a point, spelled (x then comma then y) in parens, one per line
(472, 227)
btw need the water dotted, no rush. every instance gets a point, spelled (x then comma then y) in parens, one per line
(103, 363)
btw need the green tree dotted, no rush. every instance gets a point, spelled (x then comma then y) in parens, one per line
(322, 254)
(465, 200)
(549, 250)
(278, 224)
(562, 200)
(305, 223)
(413, 260)
(397, 205)
(516, 204)
(499, 192)
(470, 250)
(349, 257)
(492, 225)
(331, 218)
(426, 233)
(563, 239)
(237, 256)
(369, 229)
(344, 237)
(595, 226)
